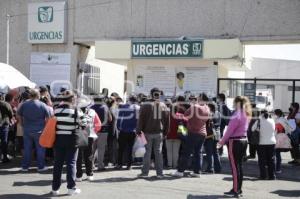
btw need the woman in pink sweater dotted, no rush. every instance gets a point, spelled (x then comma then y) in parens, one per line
(236, 139)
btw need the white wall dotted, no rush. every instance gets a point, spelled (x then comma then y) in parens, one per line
(111, 74)
(277, 69)
(247, 19)
(274, 68)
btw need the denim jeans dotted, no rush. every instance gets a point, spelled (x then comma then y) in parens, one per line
(4, 140)
(155, 142)
(191, 145)
(101, 146)
(173, 146)
(212, 155)
(29, 139)
(62, 154)
(278, 159)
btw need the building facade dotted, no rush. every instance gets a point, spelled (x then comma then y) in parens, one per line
(97, 38)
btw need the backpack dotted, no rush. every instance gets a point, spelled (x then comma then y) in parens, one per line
(255, 135)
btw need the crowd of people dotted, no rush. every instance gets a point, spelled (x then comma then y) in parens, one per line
(182, 133)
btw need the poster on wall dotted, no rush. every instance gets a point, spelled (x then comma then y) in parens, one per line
(51, 69)
(148, 77)
(177, 80)
(201, 79)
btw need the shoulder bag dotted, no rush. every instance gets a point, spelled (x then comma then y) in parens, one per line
(81, 135)
(254, 138)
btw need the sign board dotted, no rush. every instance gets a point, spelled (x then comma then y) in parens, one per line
(47, 22)
(176, 80)
(167, 49)
(250, 91)
(50, 69)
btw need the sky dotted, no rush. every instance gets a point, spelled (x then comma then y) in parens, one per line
(282, 51)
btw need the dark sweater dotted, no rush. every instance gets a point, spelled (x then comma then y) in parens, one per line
(6, 113)
(154, 118)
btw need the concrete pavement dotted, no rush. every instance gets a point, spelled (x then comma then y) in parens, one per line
(125, 184)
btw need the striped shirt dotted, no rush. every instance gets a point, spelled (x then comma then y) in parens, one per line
(65, 116)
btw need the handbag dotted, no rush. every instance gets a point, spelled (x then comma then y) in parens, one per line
(48, 135)
(283, 141)
(81, 135)
(254, 137)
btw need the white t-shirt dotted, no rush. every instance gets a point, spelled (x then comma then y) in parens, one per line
(267, 131)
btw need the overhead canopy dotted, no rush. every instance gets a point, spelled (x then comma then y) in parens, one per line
(11, 78)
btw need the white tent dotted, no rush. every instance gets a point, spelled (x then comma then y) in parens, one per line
(11, 78)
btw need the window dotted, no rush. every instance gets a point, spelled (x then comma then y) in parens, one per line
(91, 80)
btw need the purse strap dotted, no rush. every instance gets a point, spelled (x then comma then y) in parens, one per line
(75, 120)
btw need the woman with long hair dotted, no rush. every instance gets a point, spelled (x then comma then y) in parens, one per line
(236, 139)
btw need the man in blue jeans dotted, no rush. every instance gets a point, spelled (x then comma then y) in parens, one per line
(6, 115)
(33, 115)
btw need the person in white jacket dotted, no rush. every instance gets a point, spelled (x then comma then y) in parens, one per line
(266, 148)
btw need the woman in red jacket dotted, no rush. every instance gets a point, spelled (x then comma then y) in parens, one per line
(173, 140)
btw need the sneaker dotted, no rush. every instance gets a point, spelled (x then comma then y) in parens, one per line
(78, 180)
(90, 178)
(55, 193)
(118, 167)
(161, 176)
(43, 169)
(249, 157)
(24, 170)
(178, 174)
(195, 175)
(209, 172)
(279, 171)
(73, 191)
(232, 193)
(142, 175)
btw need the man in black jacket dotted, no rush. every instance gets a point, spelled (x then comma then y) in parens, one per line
(225, 114)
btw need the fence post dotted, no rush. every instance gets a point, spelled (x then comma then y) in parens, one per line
(294, 91)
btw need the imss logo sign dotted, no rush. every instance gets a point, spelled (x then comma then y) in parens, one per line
(45, 14)
(47, 22)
